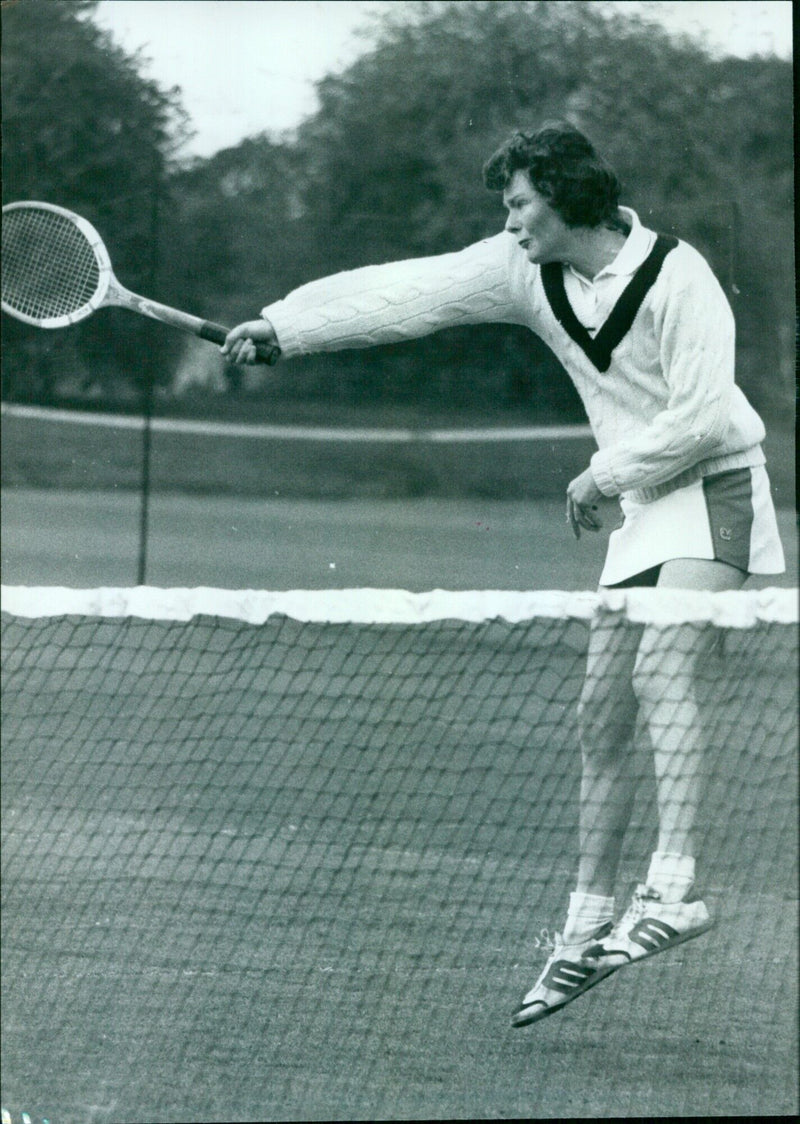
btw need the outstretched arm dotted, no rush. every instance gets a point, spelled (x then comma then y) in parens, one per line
(388, 303)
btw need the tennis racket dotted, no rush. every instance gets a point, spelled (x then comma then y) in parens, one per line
(57, 271)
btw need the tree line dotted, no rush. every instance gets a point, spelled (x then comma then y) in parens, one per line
(389, 167)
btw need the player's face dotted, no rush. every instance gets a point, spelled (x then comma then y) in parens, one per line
(539, 230)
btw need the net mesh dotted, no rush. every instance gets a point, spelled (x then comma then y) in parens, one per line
(49, 266)
(275, 868)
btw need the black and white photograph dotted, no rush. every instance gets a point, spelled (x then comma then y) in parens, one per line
(399, 561)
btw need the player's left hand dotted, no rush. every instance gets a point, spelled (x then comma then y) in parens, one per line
(583, 497)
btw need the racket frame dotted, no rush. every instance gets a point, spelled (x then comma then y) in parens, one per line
(109, 292)
(105, 278)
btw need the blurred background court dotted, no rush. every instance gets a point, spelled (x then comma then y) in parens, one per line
(308, 510)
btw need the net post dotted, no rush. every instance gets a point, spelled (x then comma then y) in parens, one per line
(148, 396)
(144, 507)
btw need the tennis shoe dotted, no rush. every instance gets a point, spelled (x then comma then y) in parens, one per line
(564, 977)
(648, 926)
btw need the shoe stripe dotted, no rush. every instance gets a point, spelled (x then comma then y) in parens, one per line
(662, 929)
(572, 970)
(565, 977)
(652, 934)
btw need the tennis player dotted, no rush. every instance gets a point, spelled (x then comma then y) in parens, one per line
(643, 328)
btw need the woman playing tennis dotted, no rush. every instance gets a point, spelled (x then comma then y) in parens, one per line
(644, 330)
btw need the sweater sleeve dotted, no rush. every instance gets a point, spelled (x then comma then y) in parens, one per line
(401, 300)
(696, 333)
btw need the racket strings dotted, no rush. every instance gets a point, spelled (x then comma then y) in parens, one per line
(49, 267)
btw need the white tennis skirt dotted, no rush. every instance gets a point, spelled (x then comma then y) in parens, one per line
(729, 517)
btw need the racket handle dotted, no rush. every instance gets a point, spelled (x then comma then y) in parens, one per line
(216, 333)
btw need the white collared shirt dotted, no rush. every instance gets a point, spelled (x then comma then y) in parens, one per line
(593, 299)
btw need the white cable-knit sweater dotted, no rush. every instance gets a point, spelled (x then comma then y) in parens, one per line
(666, 411)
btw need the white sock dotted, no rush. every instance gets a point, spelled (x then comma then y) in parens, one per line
(586, 913)
(671, 875)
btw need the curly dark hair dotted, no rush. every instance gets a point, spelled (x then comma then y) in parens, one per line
(564, 168)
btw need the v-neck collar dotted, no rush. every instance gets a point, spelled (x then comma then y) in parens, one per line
(599, 348)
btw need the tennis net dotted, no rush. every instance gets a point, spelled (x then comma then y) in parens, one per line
(276, 855)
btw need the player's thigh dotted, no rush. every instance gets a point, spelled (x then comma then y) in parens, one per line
(700, 574)
(668, 655)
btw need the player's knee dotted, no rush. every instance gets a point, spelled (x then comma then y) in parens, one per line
(667, 663)
(648, 685)
(655, 683)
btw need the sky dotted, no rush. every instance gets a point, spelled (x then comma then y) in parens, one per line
(246, 66)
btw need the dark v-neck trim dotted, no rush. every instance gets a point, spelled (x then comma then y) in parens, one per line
(600, 348)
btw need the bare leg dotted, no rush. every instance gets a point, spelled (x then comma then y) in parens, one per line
(664, 684)
(607, 720)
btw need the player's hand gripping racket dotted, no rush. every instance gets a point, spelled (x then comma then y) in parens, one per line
(56, 271)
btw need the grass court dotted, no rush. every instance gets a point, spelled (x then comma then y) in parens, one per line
(311, 888)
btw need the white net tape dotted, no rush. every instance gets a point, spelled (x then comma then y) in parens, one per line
(735, 609)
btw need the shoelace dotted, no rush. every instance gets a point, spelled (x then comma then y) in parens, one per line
(638, 907)
(547, 941)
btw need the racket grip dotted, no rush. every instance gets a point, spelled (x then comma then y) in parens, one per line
(216, 333)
